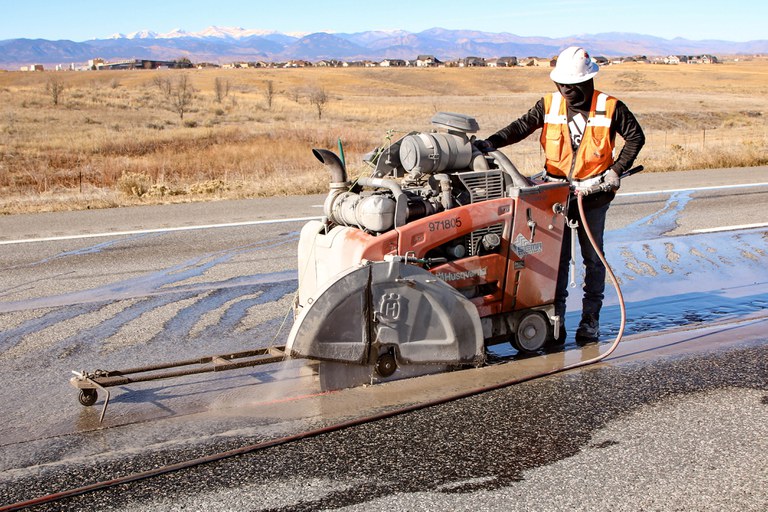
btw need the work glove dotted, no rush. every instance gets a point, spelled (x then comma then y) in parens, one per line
(611, 181)
(483, 145)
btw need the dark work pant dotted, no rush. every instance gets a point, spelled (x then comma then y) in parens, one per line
(594, 279)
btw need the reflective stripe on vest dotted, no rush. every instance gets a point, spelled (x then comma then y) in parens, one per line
(553, 116)
(600, 119)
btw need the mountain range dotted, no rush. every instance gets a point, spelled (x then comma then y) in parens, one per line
(227, 44)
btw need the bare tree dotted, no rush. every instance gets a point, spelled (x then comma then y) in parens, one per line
(269, 93)
(55, 88)
(318, 97)
(294, 94)
(182, 95)
(164, 84)
(221, 88)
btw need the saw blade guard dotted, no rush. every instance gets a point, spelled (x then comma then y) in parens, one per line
(389, 306)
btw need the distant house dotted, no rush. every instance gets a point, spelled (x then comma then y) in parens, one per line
(600, 61)
(702, 59)
(237, 65)
(424, 61)
(472, 62)
(506, 62)
(297, 64)
(392, 63)
(690, 59)
(539, 62)
(502, 62)
(144, 64)
(33, 67)
(329, 63)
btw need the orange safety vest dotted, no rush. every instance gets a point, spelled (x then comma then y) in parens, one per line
(595, 154)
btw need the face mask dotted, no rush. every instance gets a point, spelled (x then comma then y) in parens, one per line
(578, 96)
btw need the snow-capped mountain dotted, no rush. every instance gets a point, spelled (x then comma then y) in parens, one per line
(142, 34)
(211, 32)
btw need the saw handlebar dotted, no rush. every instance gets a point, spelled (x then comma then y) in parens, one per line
(632, 171)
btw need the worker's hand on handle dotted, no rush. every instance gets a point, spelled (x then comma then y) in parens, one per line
(611, 183)
(483, 145)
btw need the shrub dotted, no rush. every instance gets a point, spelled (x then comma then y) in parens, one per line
(134, 184)
(208, 187)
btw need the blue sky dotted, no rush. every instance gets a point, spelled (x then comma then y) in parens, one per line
(80, 20)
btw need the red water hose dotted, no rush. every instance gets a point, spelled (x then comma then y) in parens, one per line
(622, 306)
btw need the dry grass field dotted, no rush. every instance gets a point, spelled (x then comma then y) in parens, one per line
(75, 140)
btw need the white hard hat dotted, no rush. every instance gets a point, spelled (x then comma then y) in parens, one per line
(574, 66)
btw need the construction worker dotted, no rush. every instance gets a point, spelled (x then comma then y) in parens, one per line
(578, 130)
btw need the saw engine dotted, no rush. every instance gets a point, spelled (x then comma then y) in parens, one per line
(439, 253)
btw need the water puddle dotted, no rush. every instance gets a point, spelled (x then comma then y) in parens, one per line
(654, 225)
(161, 308)
(670, 281)
(169, 280)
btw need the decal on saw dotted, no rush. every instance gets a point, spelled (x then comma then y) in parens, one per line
(389, 307)
(522, 247)
(465, 274)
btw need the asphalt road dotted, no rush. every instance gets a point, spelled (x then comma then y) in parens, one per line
(716, 211)
(677, 425)
(679, 434)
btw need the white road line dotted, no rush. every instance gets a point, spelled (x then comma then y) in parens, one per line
(304, 219)
(695, 189)
(157, 230)
(730, 228)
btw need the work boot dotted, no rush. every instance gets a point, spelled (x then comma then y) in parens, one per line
(589, 329)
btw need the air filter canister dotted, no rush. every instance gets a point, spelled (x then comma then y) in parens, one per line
(431, 153)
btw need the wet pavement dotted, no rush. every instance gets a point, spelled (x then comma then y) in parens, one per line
(684, 432)
(142, 298)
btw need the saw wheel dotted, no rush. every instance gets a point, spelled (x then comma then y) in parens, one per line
(532, 333)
